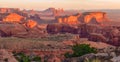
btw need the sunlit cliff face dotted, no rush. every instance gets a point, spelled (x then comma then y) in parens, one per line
(87, 17)
(69, 19)
(31, 23)
(99, 16)
(13, 17)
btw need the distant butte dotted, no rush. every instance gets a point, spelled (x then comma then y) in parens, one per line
(55, 12)
(94, 16)
(86, 17)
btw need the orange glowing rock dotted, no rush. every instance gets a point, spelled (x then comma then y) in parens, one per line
(99, 16)
(73, 19)
(13, 17)
(31, 23)
(87, 17)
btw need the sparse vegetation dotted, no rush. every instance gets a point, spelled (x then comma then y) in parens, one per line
(21, 57)
(92, 60)
(32, 43)
(80, 49)
(56, 37)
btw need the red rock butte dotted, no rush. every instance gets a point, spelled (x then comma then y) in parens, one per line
(31, 23)
(13, 17)
(73, 19)
(87, 17)
(9, 10)
(99, 16)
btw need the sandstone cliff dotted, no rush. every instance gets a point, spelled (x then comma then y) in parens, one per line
(60, 28)
(94, 17)
(87, 17)
(13, 17)
(30, 23)
(73, 19)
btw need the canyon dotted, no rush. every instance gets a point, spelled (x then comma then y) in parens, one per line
(52, 32)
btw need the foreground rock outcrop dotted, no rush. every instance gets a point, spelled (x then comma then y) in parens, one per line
(7, 30)
(6, 56)
(24, 30)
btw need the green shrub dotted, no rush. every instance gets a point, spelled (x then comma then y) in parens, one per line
(67, 55)
(22, 57)
(38, 59)
(80, 49)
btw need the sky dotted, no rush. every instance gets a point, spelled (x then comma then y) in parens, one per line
(66, 4)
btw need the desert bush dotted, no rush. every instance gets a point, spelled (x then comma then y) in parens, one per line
(21, 57)
(36, 58)
(80, 49)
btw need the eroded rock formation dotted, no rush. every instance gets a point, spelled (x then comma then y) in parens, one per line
(9, 10)
(4, 54)
(60, 28)
(73, 19)
(30, 23)
(27, 29)
(7, 30)
(94, 17)
(13, 17)
(87, 17)
(97, 37)
(54, 12)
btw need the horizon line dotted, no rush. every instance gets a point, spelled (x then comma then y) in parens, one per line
(59, 8)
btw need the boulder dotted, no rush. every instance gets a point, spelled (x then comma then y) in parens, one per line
(80, 59)
(113, 54)
(116, 59)
(101, 55)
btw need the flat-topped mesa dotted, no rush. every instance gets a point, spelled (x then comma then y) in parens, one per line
(13, 17)
(86, 17)
(94, 17)
(54, 11)
(30, 23)
(73, 19)
(57, 12)
(16, 18)
(9, 10)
